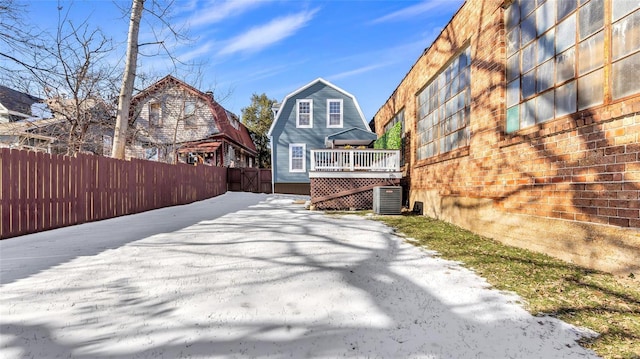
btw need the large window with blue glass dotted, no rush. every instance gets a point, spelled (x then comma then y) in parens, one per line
(556, 60)
(443, 109)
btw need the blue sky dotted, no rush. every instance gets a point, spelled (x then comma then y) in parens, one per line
(275, 46)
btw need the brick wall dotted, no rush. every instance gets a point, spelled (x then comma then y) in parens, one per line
(569, 187)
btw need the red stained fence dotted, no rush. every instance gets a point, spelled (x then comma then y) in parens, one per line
(256, 180)
(39, 191)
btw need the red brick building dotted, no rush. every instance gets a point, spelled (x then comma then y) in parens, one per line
(522, 123)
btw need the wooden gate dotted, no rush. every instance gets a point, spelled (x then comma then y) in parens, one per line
(254, 180)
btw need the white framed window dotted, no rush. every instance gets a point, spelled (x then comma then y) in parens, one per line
(334, 113)
(297, 157)
(304, 113)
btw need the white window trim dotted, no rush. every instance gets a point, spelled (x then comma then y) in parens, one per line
(310, 102)
(304, 157)
(329, 114)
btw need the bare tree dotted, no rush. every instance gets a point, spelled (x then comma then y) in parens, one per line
(160, 12)
(68, 67)
(20, 43)
(126, 90)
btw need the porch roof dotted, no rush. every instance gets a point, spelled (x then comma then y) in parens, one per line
(204, 147)
(351, 136)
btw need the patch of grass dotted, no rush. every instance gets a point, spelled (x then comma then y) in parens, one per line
(600, 301)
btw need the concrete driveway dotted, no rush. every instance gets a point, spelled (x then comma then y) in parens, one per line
(254, 276)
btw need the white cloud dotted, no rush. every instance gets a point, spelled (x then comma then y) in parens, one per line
(413, 11)
(260, 37)
(216, 11)
(197, 52)
(356, 71)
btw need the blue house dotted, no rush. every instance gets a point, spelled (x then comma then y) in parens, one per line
(318, 115)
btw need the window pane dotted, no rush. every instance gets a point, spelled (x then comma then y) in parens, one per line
(464, 77)
(527, 6)
(565, 7)
(545, 47)
(528, 84)
(529, 57)
(512, 16)
(623, 7)
(513, 41)
(527, 114)
(513, 93)
(334, 119)
(566, 96)
(154, 113)
(566, 65)
(591, 53)
(590, 90)
(513, 119)
(545, 76)
(304, 119)
(621, 72)
(296, 152)
(528, 30)
(591, 18)
(566, 34)
(545, 107)
(545, 17)
(513, 67)
(626, 36)
(189, 108)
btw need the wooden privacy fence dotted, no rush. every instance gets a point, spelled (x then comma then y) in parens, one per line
(39, 191)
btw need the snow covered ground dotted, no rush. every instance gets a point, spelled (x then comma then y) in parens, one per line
(254, 276)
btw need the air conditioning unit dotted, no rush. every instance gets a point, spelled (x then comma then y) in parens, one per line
(387, 200)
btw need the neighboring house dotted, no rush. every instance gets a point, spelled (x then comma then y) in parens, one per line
(173, 121)
(83, 125)
(21, 125)
(31, 135)
(316, 116)
(56, 125)
(524, 125)
(16, 105)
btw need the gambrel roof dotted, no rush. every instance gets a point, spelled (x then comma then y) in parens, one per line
(228, 123)
(326, 83)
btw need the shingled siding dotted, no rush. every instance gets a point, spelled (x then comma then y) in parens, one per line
(569, 187)
(173, 124)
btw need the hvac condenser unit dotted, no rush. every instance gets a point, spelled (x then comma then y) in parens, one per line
(387, 200)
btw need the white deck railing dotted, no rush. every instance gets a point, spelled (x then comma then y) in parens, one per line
(355, 160)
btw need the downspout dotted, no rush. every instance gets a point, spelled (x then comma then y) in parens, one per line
(273, 169)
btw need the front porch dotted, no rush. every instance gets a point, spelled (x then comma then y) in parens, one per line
(343, 179)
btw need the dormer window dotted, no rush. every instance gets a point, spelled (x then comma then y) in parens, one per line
(233, 120)
(304, 113)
